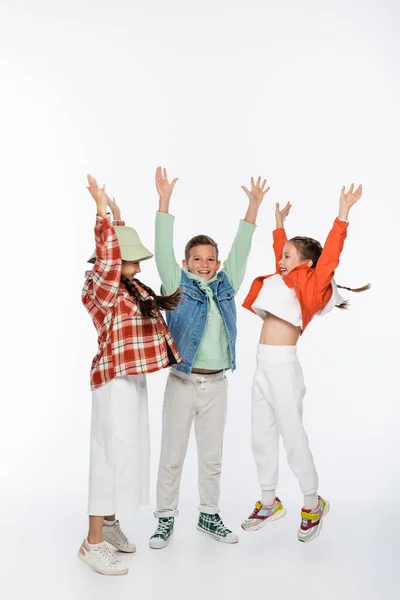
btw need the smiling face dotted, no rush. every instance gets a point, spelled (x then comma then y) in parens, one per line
(291, 259)
(203, 261)
(130, 268)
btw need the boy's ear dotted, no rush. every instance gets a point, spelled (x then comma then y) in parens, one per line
(218, 264)
(184, 264)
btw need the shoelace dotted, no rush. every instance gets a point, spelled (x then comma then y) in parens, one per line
(109, 556)
(162, 528)
(121, 533)
(220, 525)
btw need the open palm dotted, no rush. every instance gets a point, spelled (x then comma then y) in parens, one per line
(164, 188)
(257, 192)
(348, 200)
(282, 214)
(98, 194)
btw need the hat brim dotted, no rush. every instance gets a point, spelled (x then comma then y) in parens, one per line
(131, 253)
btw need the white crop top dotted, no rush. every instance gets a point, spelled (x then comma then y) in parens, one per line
(278, 299)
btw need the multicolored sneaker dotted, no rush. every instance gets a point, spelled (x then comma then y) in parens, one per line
(263, 514)
(160, 538)
(114, 535)
(212, 525)
(102, 559)
(311, 521)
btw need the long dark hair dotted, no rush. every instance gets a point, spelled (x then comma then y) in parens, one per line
(151, 307)
(310, 249)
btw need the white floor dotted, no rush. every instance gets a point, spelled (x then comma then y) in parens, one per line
(355, 557)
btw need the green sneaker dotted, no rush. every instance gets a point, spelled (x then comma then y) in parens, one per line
(213, 525)
(165, 529)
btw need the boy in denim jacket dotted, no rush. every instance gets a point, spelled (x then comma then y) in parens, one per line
(204, 329)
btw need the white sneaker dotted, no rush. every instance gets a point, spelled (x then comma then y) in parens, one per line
(213, 526)
(114, 535)
(161, 536)
(102, 560)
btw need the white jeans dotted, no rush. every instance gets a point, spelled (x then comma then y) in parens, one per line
(202, 398)
(278, 392)
(119, 447)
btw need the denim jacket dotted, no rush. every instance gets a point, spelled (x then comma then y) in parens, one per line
(188, 321)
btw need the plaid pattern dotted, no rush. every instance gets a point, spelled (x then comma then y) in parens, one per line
(164, 529)
(213, 524)
(128, 343)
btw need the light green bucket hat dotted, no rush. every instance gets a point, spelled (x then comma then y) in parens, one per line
(130, 245)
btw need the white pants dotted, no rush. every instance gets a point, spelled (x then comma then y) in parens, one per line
(278, 392)
(119, 447)
(202, 398)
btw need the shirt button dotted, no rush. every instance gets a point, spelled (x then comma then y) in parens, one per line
(194, 295)
(195, 343)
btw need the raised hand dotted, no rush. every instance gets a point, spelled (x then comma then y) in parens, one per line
(116, 211)
(257, 192)
(280, 215)
(164, 188)
(348, 200)
(99, 196)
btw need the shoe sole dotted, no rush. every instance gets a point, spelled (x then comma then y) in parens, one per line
(216, 537)
(120, 548)
(161, 547)
(318, 528)
(278, 515)
(124, 572)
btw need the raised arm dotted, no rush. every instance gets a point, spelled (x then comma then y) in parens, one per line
(168, 269)
(279, 234)
(235, 264)
(102, 285)
(116, 211)
(256, 196)
(330, 255)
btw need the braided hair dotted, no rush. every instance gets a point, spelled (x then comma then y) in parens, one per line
(310, 249)
(153, 305)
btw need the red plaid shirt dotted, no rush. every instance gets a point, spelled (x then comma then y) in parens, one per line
(129, 344)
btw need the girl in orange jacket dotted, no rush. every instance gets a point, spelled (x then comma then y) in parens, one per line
(301, 287)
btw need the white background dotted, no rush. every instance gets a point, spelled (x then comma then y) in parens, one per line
(305, 93)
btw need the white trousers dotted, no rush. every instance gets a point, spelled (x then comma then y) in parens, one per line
(119, 447)
(278, 392)
(202, 398)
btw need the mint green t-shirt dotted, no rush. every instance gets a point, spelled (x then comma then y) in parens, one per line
(213, 352)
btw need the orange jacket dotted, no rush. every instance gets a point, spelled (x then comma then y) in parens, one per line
(312, 285)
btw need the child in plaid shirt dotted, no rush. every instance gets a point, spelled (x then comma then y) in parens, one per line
(204, 329)
(133, 340)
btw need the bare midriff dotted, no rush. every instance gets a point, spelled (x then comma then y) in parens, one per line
(277, 332)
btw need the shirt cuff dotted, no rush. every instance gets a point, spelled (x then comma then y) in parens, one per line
(161, 216)
(103, 220)
(279, 234)
(251, 227)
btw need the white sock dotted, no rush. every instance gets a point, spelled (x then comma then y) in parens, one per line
(311, 501)
(94, 546)
(108, 523)
(267, 497)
